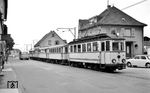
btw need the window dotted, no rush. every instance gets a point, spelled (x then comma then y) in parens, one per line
(95, 46)
(52, 50)
(89, 47)
(49, 42)
(122, 46)
(75, 48)
(66, 49)
(79, 48)
(143, 57)
(107, 46)
(103, 46)
(83, 47)
(115, 46)
(57, 50)
(128, 32)
(47, 51)
(71, 48)
(56, 42)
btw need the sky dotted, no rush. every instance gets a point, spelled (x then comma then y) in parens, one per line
(29, 20)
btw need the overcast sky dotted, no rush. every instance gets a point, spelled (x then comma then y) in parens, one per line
(29, 20)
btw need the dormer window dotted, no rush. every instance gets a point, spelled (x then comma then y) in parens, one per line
(93, 20)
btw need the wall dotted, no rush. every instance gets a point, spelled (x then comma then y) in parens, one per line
(136, 35)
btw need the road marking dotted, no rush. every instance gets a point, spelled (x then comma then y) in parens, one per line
(7, 69)
(9, 91)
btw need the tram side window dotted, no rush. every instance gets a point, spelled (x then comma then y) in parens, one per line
(103, 46)
(61, 49)
(75, 48)
(115, 46)
(95, 46)
(53, 50)
(122, 46)
(71, 48)
(83, 47)
(107, 45)
(66, 49)
(79, 48)
(89, 47)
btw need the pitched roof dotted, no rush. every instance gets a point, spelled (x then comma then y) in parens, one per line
(113, 16)
(48, 34)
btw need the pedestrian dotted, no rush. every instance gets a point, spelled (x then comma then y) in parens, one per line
(2, 59)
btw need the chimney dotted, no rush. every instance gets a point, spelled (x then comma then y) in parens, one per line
(108, 6)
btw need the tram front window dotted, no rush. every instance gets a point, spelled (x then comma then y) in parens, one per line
(117, 46)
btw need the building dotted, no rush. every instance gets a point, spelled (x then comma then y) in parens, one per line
(114, 22)
(3, 17)
(50, 39)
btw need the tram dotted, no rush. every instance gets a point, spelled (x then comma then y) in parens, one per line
(100, 51)
(95, 52)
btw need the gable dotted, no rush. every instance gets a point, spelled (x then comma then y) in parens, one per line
(50, 39)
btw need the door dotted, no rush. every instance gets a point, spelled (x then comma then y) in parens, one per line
(128, 49)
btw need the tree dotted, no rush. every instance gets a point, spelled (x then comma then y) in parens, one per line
(9, 41)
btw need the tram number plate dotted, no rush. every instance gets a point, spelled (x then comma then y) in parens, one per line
(12, 84)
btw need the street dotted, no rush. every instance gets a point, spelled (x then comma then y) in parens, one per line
(39, 77)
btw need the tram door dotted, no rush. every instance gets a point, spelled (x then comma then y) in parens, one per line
(102, 53)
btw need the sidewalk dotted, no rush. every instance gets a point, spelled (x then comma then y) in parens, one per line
(8, 76)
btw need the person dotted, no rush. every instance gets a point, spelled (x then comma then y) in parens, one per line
(2, 61)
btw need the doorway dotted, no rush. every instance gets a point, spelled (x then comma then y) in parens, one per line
(129, 49)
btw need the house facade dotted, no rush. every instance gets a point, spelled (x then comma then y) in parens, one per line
(115, 22)
(50, 39)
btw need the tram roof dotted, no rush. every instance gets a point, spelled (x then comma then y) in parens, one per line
(95, 37)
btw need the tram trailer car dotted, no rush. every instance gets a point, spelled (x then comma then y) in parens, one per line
(54, 54)
(98, 52)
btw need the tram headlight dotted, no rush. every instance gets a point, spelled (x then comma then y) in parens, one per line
(113, 60)
(123, 60)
